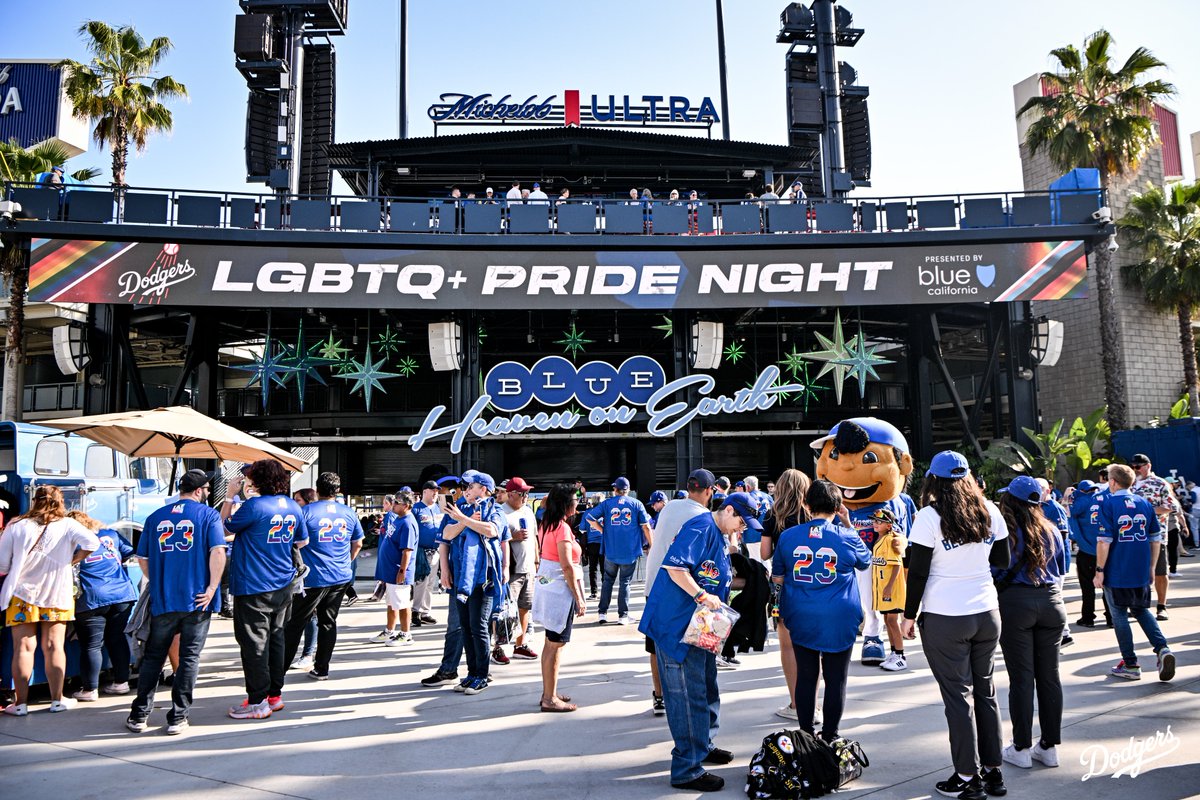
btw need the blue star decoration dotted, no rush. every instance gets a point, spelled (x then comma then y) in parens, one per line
(270, 366)
(388, 341)
(861, 362)
(831, 356)
(305, 361)
(573, 341)
(734, 352)
(366, 376)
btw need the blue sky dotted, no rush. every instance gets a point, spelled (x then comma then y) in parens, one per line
(940, 71)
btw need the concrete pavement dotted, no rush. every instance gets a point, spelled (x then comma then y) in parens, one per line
(373, 731)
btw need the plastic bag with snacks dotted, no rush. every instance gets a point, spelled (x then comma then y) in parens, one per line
(708, 628)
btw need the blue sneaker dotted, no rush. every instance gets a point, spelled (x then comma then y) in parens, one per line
(873, 653)
(463, 684)
(477, 686)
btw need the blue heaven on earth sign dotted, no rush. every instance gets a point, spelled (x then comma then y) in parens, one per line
(610, 394)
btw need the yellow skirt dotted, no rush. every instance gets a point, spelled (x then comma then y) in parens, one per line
(21, 613)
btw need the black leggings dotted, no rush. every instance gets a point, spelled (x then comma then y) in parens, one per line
(1173, 548)
(810, 664)
(595, 564)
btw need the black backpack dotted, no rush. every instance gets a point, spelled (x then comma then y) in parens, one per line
(793, 764)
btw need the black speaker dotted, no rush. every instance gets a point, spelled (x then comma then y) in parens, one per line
(253, 37)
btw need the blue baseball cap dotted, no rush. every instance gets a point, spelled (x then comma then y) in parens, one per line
(878, 432)
(1025, 489)
(657, 497)
(949, 464)
(1088, 486)
(680, 494)
(621, 483)
(701, 479)
(746, 507)
(447, 479)
(482, 478)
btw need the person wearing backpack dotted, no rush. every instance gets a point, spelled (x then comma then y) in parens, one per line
(816, 564)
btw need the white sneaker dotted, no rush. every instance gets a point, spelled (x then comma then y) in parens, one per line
(115, 688)
(383, 637)
(16, 710)
(894, 663)
(66, 704)
(1018, 758)
(625, 620)
(1046, 755)
(303, 663)
(177, 728)
(86, 695)
(723, 663)
(787, 712)
(603, 619)
(401, 638)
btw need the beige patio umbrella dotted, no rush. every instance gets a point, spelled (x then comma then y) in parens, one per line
(175, 432)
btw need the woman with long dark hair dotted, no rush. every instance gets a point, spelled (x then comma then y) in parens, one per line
(955, 540)
(558, 596)
(816, 564)
(37, 551)
(265, 529)
(1032, 615)
(787, 512)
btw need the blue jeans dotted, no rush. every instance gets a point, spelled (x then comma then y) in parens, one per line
(310, 637)
(452, 651)
(192, 627)
(1120, 621)
(99, 628)
(474, 616)
(611, 573)
(693, 709)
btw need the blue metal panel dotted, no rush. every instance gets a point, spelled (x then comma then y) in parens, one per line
(896, 214)
(146, 208)
(835, 217)
(1031, 210)
(741, 219)
(983, 212)
(623, 218)
(576, 218)
(363, 216)
(529, 218)
(670, 218)
(37, 203)
(787, 217)
(197, 210)
(310, 215)
(868, 214)
(243, 212)
(38, 89)
(409, 217)
(482, 218)
(935, 214)
(90, 206)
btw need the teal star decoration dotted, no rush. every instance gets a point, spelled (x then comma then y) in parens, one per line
(833, 352)
(809, 392)
(388, 341)
(366, 376)
(667, 327)
(268, 368)
(305, 361)
(407, 366)
(861, 362)
(734, 352)
(332, 349)
(573, 341)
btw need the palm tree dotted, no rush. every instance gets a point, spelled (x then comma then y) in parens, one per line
(18, 165)
(117, 91)
(1097, 114)
(1165, 226)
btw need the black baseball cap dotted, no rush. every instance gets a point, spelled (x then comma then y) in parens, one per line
(700, 479)
(193, 479)
(429, 485)
(1139, 459)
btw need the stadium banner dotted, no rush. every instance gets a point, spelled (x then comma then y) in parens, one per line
(148, 273)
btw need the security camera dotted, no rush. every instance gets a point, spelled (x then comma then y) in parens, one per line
(1103, 215)
(1111, 245)
(9, 208)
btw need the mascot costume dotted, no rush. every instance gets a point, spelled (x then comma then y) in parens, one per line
(868, 459)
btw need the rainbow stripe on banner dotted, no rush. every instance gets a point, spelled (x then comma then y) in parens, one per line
(56, 265)
(1048, 279)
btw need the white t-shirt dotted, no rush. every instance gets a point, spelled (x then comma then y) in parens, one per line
(513, 194)
(960, 577)
(41, 575)
(666, 528)
(524, 554)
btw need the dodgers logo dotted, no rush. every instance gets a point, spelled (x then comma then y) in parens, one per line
(986, 273)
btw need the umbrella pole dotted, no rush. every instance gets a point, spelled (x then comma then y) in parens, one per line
(174, 467)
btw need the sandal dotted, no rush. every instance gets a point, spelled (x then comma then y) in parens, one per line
(557, 708)
(566, 698)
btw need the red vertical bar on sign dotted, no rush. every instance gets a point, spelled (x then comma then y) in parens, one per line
(571, 108)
